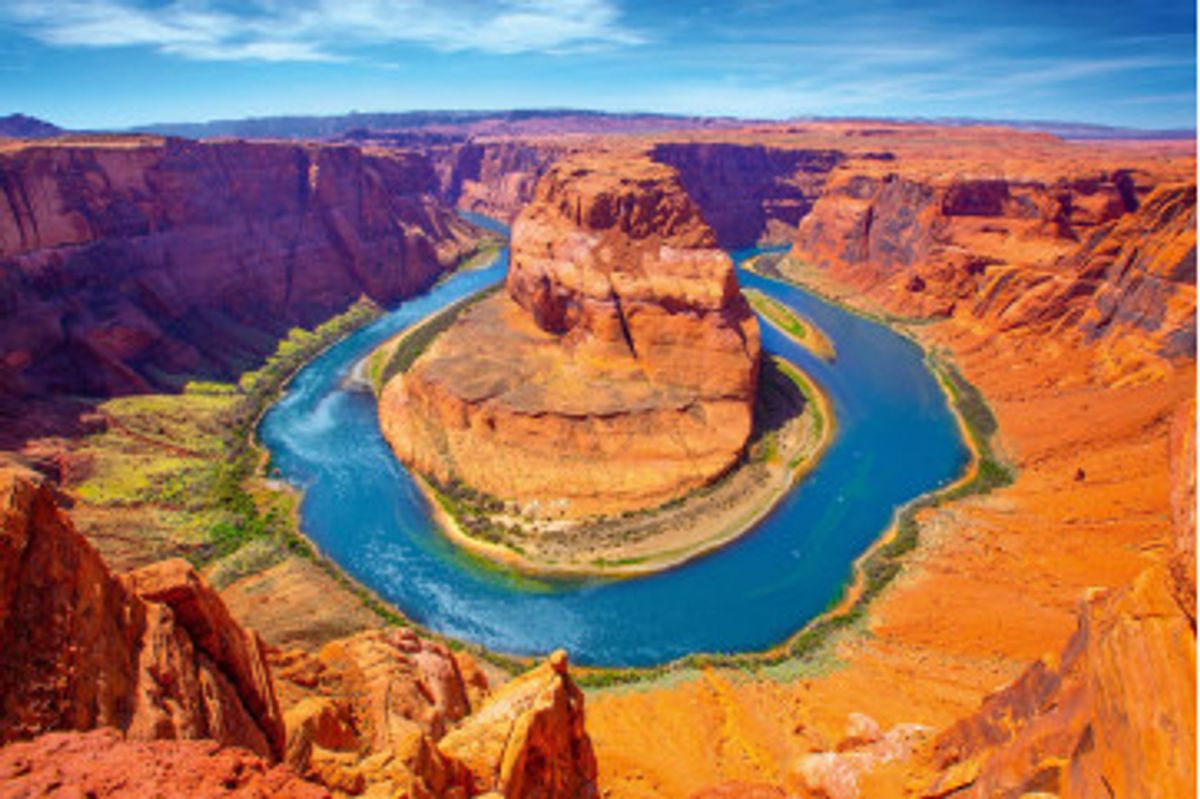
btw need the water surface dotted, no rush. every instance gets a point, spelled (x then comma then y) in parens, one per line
(896, 439)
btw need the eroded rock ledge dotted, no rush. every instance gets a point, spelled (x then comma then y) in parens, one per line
(617, 372)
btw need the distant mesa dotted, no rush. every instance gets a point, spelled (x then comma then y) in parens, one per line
(616, 372)
(20, 126)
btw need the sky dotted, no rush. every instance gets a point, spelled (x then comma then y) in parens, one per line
(117, 63)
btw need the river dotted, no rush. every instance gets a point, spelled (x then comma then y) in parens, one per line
(896, 440)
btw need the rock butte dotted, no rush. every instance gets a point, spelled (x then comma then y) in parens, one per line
(617, 371)
(1074, 321)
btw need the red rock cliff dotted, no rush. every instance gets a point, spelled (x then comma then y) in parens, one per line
(618, 372)
(126, 261)
(154, 654)
(1089, 253)
(1115, 713)
(750, 193)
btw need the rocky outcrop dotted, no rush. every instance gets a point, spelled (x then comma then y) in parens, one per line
(617, 372)
(103, 765)
(129, 263)
(1101, 254)
(494, 178)
(1115, 713)
(389, 713)
(367, 711)
(750, 193)
(528, 741)
(81, 648)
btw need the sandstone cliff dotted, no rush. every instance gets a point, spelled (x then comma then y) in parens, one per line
(1115, 713)
(130, 263)
(750, 193)
(528, 741)
(495, 178)
(154, 654)
(1095, 253)
(617, 372)
(154, 657)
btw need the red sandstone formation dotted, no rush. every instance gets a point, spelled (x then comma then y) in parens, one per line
(80, 648)
(495, 178)
(128, 263)
(750, 193)
(529, 740)
(371, 713)
(1115, 714)
(155, 655)
(101, 764)
(618, 372)
(1099, 253)
(368, 710)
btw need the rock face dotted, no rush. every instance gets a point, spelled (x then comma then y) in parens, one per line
(529, 741)
(154, 654)
(1099, 254)
(101, 764)
(750, 193)
(388, 713)
(1115, 714)
(126, 263)
(617, 372)
(494, 178)
(368, 710)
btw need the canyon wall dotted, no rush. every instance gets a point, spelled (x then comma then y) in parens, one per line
(1105, 256)
(750, 193)
(1114, 714)
(127, 264)
(119, 684)
(618, 370)
(493, 178)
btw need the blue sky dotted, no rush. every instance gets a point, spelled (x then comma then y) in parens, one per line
(112, 63)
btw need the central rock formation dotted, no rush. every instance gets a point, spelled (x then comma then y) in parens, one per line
(617, 371)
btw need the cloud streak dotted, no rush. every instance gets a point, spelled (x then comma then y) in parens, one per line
(323, 30)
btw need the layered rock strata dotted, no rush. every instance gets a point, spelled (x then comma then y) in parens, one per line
(618, 369)
(1114, 714)
(750, 193)
(129, 263)
(154, 654)
(1106, 256)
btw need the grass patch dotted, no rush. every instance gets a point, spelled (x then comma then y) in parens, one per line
(187, 458)
(803, 331)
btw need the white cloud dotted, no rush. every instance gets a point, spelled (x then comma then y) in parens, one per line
(314, 30)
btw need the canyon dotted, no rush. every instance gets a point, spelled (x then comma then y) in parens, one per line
(1041, 639)
(135, 263)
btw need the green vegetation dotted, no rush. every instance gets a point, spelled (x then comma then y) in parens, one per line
(475, 512)
(980, 424)
(401, 352)
(805, 386)
(803, 331)
(183, 462)
(482, 257)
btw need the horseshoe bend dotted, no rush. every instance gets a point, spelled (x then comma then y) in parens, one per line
(241, 380)
(616, 372)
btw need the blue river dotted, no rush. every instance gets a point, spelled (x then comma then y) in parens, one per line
(896, 439)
